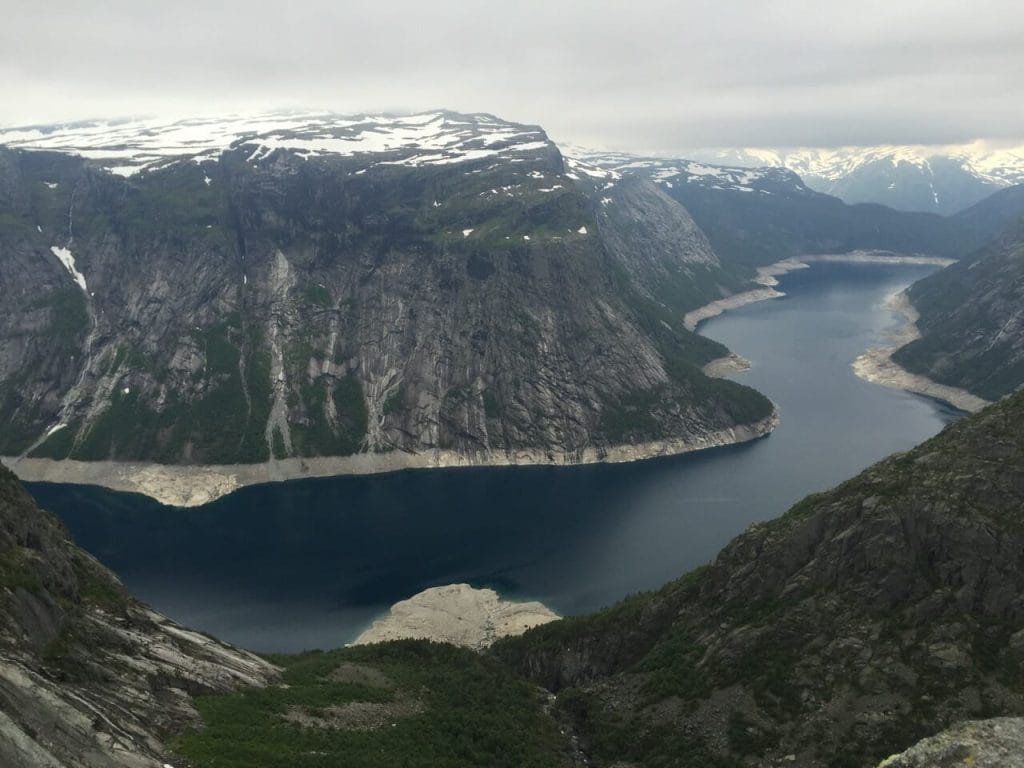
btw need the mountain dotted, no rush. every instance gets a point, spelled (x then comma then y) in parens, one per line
(89, 677)
(971, 320)
(934, 179)
(756, 216)
(295, 286)
(867, 617)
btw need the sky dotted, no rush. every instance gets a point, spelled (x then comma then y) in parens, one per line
(634, 75)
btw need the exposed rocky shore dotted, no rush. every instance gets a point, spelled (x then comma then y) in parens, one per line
(191, 486)
(877, 366)
(457, 614)
(767, 278)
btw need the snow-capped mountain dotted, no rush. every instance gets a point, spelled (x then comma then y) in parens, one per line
(384, 287)
(434, 138)
(669, 172)
(940, 179)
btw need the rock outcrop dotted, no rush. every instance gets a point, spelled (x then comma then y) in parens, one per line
(90, 678)
(995, 743)
(458, 614)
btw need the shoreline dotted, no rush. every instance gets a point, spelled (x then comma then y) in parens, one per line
(875, 365)
(767, 278)
(196, 485)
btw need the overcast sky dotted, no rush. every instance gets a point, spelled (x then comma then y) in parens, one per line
(639, 74)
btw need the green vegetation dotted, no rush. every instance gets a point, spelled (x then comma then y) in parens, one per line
(225, 424)
(278, 448)
(412, 704)
(322, 436)
(393, 403)
(317, 295)
(492, 406)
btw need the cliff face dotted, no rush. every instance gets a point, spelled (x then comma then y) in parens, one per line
(402, 284)
(864, 619)
(88, 676)
(972, 321)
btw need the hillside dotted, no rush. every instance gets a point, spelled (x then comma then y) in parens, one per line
(305, 286)
(972, 321)
(89, 677)
(864, 619)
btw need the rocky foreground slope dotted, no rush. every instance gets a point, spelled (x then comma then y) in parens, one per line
(88, 676)
(971, 321)
(308, 286)
(864, 619)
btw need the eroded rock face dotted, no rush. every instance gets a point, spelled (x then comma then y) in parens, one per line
(457, 614)
(266, 301)
(996, 743)
(89, 677)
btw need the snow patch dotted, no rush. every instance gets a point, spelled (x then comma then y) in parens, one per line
(68, 261)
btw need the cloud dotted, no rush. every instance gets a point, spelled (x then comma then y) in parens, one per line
(644, 74)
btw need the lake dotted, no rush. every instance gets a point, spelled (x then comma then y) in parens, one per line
(309, 563)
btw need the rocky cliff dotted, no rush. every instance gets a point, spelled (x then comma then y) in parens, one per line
(971, 321)
(90, 678)
(864, 619)
(319, 286)
(995, 743)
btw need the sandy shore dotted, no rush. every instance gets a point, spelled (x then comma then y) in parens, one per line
(191, 486)
(767, 278)
(457, 614)
(877, 366)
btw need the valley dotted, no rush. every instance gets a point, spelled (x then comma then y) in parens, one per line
(417, 381)
(309, 563)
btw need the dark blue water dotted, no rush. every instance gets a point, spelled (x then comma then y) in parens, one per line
(309, 563)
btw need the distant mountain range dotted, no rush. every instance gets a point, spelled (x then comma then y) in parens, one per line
(936, 179)
(756, 216)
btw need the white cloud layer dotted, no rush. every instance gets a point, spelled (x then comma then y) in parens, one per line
(644, 75)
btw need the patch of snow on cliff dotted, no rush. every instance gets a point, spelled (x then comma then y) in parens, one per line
(69, 263)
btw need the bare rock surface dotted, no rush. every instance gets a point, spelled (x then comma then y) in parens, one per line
(89, 677)
(457, 614)
(995, 743)
(192, 485)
